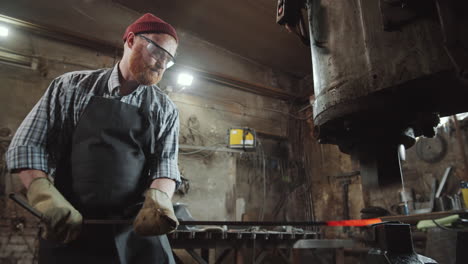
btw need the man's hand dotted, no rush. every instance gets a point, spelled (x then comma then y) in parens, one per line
(156, 217)
(62, 221)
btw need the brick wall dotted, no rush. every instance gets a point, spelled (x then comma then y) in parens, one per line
(18, 234)
(18, 229)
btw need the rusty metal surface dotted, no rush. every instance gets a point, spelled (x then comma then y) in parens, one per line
(354, 57)
(394, 109)
(372, 85)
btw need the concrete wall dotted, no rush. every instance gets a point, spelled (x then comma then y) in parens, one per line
(316, 188)
(204, 121)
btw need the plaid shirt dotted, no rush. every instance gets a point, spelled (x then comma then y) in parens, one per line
(39, 141)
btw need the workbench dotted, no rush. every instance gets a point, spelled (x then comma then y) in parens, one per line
(262, 242)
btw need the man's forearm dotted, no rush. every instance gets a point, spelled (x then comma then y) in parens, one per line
(164, 184)
(27, 176)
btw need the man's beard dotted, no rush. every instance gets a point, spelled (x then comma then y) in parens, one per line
(141, 72)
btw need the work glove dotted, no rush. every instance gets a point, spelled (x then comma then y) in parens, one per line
(62, 222)
(156, 217)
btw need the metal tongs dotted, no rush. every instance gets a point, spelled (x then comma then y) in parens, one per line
(359, 222)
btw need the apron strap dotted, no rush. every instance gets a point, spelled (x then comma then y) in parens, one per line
(146, 111)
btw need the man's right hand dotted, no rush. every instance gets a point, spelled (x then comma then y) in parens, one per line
(62, 221)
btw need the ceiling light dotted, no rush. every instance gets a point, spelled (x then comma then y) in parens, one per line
(185, 79)
(3, 31)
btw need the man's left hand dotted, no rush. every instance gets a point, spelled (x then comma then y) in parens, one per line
(156, 217)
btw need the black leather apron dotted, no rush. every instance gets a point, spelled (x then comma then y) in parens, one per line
(103, 176)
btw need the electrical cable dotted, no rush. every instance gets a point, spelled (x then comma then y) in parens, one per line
(204, 148)
(305, 108)
(199, 133)
(302, 28)
(263, 164)
(289, 114)
(222, 110)
(250, 108)
(297, 131)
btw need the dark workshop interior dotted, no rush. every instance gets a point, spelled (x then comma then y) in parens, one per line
(294, 116)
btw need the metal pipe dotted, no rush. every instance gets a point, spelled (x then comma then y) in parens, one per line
(63, 36)
(236, 83)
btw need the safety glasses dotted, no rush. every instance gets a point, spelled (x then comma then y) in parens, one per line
(159, 53)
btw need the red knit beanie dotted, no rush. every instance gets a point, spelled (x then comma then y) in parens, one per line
(150, 23)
